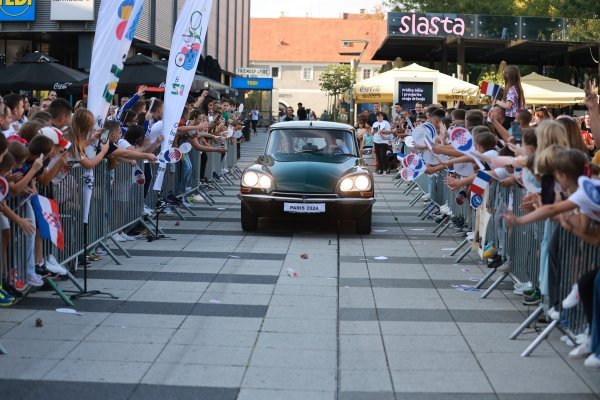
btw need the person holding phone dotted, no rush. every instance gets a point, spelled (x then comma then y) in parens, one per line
(382, 138)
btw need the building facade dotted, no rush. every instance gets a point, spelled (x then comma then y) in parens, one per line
(298, 50)
(68, 34)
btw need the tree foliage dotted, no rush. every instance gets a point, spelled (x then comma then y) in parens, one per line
(336, 80)
(540, 8)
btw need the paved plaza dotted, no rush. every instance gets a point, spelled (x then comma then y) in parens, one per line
(215, 315)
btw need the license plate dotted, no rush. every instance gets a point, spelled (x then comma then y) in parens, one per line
(304, 208)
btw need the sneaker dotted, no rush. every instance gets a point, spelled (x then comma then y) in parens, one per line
(43, 271)
(118, 238)
(168, 211)
(197, 199)
(534, 299)
(127, 237)
(489, 250)
(593, 361)
(553, 314)
(427, 197)
(147, 211)
(93, 257)
(35, 280)
(445, 209)
(4, 300)
(529, 292)
(81, 260)
(470, 236)
(505, 268)
(495, 262)
(7, 295)
(572, 299)
(581, 351)
(387, 172)
(53, 266)
(100, 251)
(521, 287)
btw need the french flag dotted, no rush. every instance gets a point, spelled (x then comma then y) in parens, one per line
(48, 220)
(481, 182)
(490, 89)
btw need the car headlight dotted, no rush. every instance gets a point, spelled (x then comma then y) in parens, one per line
(362, 182)
(355, 183)
(265, 182)
(257, 180)
(347, 185)
(250, 179)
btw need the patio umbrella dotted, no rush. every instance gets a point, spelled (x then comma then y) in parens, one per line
(541, 90)
(381, 87)
(37, 71)
(143, 70)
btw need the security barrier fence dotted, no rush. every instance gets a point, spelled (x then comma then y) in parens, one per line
(117, 204)
(522, 245)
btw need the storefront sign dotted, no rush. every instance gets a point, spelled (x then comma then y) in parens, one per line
(17, 10)
(419, 24)
(252, 83)
(254, 72)
(72, 10)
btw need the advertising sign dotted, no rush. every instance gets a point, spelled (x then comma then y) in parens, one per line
(409, 91)
(72, 10)
(254, 72)
(252, 83)
(17, 10)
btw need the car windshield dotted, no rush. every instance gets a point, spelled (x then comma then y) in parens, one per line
(311, 141)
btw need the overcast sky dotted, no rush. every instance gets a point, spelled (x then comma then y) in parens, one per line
(314, 8)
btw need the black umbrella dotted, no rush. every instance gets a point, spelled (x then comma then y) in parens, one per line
(143, 70)
(37, 71)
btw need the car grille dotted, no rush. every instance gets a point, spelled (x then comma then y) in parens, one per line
(305, 195)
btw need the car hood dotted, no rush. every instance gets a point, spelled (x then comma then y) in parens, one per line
(309, 173)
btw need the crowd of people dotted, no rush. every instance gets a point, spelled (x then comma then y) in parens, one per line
(42, 140)
(552, 158)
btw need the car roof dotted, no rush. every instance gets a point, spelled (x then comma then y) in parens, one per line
(311, 124)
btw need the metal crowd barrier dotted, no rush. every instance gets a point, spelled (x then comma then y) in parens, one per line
(521, 245)
(117, 203)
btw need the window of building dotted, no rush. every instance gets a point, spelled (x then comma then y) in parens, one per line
(366, 73)
(275, 72)
(307, 73)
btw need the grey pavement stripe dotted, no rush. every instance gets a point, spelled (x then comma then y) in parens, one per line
(407, 283)
(61, 390)
(366, 396)
(210, 232)
(401, 260)
(180, 276)
(419, 315)
(206, 254)
(211, 219)
(418, 396)
(149, 307)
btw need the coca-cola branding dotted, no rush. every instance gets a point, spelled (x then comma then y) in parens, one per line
(62, 86)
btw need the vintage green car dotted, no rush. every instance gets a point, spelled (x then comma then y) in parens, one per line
(308, 169)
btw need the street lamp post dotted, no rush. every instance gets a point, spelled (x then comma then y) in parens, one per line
(354, 63)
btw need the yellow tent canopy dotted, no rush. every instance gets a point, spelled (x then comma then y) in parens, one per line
(541, 90)
(380, 88)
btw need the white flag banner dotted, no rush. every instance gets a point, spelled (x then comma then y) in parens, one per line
(117, 20)
(186, 47)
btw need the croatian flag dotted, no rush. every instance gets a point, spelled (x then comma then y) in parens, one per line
(490, 89)
(48, 220)
(477, 189)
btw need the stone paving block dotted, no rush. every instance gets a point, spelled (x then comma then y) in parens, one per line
(235, 298)
(98, 371)
(363, 360)
(440, 381)
(307, 290)
(205, 355)
(38, 349)
(161, 392)
(213, 337)
(400, 344)
(143, 320)
(260, 394)
(194, 375)
(50, 331)
(317, 326)
(419, 328)
(426, 360)
(308, 341)
(130, 334)
(115, 351)
(359, 328)
(283, 357)
(310, 301)
(366, 380)
(302, 312)
(366, 396)
(361, 343)
(290, 379)
(223, 287)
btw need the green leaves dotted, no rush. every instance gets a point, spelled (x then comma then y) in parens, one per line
(336, 79)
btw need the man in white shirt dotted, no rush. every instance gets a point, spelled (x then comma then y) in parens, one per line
(289, 116)
(382, 138)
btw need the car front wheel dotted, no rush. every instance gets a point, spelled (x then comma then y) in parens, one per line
(363, 223)
(249, 220)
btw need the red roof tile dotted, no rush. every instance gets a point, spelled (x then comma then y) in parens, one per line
(314, 40)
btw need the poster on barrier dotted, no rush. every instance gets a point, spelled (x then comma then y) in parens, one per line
(117, 20)
(186, 47)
